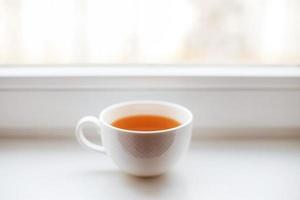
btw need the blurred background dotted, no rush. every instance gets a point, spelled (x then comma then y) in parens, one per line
(246, 135)
(144, 31)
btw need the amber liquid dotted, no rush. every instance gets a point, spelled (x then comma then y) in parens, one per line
(145, 123)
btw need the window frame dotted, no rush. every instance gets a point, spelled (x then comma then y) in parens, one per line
(80, 77)
(36, 87)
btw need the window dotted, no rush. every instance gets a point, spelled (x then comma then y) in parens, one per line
(143, 31)
(40, 36)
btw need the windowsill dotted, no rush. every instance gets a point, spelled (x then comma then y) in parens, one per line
(250, 164)
(227, 168)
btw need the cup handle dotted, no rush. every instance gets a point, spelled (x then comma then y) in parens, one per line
(88, 121)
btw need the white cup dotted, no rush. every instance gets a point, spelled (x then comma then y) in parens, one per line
(140, 153)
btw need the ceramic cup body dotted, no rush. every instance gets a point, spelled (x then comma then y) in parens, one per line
(140, 153)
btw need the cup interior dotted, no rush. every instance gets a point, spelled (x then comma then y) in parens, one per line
(170, 110)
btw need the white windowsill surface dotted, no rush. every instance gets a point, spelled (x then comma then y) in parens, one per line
(232, 168)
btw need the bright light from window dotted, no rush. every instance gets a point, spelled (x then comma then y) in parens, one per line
(143, 31)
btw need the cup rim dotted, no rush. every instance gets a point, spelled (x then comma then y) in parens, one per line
(187, 122)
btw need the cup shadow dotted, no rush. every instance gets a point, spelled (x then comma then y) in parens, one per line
(166, 186)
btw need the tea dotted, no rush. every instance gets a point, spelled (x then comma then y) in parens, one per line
(145, 123)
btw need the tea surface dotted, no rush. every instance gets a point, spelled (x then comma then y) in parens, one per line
(145, 123)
